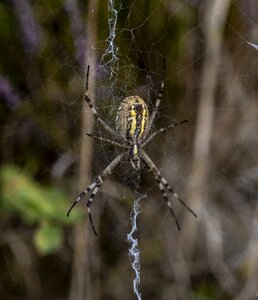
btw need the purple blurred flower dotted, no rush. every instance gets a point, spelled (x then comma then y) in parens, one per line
(7, 93)
(31, 33)
(77, 31)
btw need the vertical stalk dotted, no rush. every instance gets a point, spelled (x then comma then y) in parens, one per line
(80, 282)
(216, 14)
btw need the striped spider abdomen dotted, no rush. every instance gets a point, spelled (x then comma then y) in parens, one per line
(132, 118)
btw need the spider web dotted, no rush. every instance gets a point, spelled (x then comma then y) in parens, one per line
(148, 76)
(43, 133)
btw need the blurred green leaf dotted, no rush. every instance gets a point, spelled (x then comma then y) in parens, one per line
(36, 204)
(48, 238)
(31, 201)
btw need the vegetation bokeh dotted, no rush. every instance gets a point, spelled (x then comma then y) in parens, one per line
(211, 75)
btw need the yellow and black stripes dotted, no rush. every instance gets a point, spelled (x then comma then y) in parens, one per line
(133, 126)
(132, 118)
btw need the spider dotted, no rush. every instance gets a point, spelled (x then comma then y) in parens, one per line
(133, 132)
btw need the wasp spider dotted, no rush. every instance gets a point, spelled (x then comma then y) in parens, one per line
(133, 132)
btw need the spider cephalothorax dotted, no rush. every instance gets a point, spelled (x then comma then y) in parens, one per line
(133, 125)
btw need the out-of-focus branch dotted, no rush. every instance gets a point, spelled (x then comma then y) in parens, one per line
(215, 20)
(81, 283)
(216, 14)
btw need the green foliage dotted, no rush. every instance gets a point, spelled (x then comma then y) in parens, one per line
(35, 204)
(48, 238)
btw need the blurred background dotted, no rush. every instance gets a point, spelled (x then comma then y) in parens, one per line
(211, 78)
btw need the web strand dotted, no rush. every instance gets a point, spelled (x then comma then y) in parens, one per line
(134, 252)
(109, 58)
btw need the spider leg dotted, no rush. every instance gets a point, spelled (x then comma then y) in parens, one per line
(82, 194)
(162, 130)
(163, 185)
(171, 190)
(155, 110)
(90, 201)
(165, 196)
(106, 140)
(93, 109)
(95, 186)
